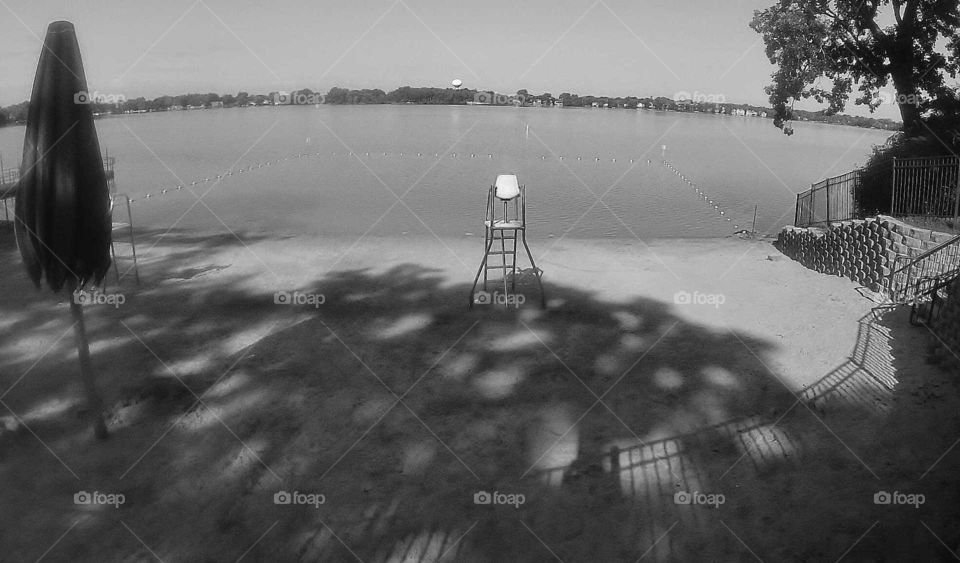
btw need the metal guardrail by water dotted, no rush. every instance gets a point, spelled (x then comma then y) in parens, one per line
(832, 199)
(920, 187)
(926, 187)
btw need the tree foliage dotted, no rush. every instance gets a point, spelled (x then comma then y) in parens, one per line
(823, 49)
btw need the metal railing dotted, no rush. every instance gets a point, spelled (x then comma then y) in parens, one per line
(911, 278)
(10, 176)
(921, 187)
(926, 187)
(832, 199)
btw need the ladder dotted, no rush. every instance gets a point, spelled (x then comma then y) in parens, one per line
(510, 230)
(509, 267)
(123, 228)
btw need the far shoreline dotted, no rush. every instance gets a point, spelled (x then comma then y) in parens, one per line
(797, 123)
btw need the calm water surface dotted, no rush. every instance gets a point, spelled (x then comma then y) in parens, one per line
(451, 154)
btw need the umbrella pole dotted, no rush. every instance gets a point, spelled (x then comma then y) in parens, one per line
(94, 404)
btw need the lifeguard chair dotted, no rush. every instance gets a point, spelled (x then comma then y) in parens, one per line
(505, 221)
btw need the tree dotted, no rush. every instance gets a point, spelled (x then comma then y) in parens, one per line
(842, 41)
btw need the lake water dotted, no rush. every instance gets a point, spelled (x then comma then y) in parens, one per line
(440, 160)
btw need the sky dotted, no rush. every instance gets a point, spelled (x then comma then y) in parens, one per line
(598, 47)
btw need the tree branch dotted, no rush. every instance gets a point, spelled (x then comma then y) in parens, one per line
(869, 22)
(910, 15)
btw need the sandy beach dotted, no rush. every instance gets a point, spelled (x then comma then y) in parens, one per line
(382, 395)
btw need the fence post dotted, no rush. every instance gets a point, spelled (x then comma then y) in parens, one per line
(956, 198)
(796, 215)
(828, 201)
(810, 206)
(893, 187)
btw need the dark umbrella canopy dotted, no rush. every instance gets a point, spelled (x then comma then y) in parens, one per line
(63, 204)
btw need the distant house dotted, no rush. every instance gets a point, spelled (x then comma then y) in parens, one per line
(684, 105)
(216, 104)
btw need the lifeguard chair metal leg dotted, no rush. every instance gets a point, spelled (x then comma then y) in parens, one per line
(126, 228)
(507, 227)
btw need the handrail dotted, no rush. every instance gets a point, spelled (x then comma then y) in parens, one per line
(903, 293)
(925, 254)
(948, 278)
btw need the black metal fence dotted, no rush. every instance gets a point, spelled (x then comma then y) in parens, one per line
(926, 187)
(832, 199)
(920, 187)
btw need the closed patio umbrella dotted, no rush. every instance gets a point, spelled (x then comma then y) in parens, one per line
(63, 220)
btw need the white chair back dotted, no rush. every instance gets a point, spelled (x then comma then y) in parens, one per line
(507, 187)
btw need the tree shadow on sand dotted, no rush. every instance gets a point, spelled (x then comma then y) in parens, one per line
(620, 424)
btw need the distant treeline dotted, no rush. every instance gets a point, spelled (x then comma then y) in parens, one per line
(114, 104)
